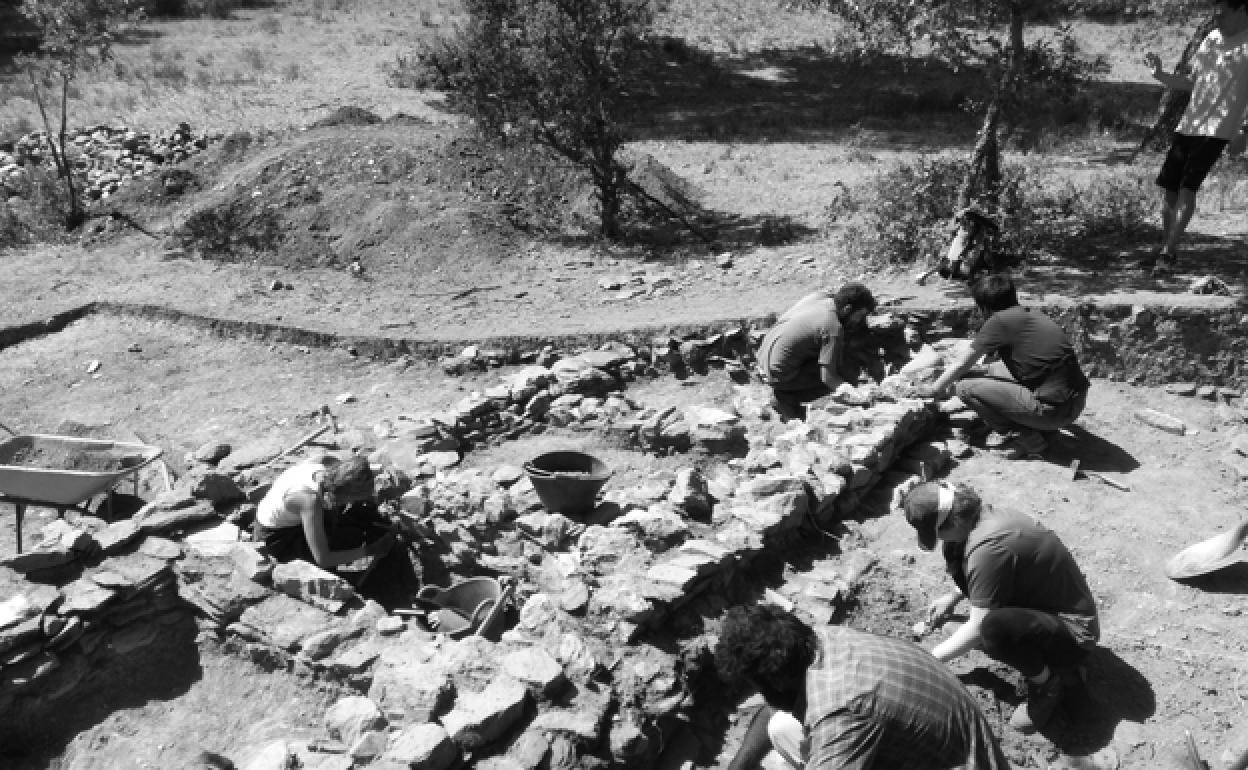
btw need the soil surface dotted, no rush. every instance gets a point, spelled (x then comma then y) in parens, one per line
(63, 458)
(441, 259)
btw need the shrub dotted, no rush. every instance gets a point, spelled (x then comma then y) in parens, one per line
(1108, 204)
(554, 72)
(904, 214)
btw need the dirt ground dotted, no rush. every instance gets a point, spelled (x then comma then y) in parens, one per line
(1172, 654)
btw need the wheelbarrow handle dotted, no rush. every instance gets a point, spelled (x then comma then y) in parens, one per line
(7, 428)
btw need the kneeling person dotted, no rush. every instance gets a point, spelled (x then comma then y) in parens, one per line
(801, 357)
(1031, 607)
(841, 698)
(1037, 386)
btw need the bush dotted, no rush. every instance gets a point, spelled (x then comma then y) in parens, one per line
(905, 213)
(1108, 204)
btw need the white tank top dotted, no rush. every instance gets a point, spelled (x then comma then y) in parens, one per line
(273, 511)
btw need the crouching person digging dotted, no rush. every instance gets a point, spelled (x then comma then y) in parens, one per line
(326, 513)
(1030, 604)
(840, 699)
(802, 357)
(1036, 388)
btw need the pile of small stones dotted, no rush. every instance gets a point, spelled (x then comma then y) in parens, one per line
(105, 157)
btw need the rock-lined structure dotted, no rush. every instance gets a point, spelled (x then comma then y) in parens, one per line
(106, 157)
(576, 680)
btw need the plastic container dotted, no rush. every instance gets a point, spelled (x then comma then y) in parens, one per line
(568, 482)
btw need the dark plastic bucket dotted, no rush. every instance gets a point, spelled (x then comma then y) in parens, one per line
(568, 482)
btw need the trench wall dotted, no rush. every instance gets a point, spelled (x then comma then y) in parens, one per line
(1144, 344)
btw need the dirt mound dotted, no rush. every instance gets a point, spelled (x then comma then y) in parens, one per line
(396, 195)
(388, 196)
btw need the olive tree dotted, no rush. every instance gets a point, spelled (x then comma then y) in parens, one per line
(555, 72)
(74, 37)
(985, 34)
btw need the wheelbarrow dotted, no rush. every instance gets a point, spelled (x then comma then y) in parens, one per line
(64, 472)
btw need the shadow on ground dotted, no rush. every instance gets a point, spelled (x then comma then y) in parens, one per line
(1089, 715)
(162, 671)
(1115, 691)
(1093, 452)
(1232, 579)
(813, 94)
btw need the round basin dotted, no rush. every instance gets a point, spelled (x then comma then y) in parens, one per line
(568, 482)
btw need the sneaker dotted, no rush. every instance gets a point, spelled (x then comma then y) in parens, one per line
(1042, 701)
(1028, 446)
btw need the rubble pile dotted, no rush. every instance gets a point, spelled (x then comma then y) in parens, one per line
(578, 677)
(105, 157)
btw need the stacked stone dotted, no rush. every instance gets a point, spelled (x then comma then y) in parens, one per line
(117, 593)
(106, 157)
(573, 678)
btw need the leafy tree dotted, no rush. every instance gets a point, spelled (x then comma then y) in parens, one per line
(985, 34)
(75, 36)
(554, 71)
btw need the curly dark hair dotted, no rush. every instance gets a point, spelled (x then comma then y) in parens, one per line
(349, 476)
(854, 296)
(764, 642)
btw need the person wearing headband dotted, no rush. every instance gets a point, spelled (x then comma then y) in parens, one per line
(1031, 607)
(1036, 388)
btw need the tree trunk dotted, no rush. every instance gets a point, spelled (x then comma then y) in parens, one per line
(983, 175)
(1174, 102)
(76, 214)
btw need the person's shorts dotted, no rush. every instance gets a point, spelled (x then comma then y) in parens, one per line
(1188, 162)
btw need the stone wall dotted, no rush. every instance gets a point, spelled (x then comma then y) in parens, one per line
(1142, 344)
(577, 680)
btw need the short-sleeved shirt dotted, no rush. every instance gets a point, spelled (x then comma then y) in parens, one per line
(1219, 102)
(1036, 351)
(878, 702)
(1012, 560)
(809, 332)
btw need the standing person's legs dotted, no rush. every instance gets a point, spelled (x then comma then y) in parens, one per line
(1187, 163)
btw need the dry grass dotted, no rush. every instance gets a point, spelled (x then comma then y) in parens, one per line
(268, 68)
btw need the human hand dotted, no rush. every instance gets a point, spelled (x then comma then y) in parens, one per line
(381, 546)
(940, 610)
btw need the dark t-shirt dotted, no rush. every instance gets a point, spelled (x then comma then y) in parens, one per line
(808, 333)
(1011, 560)
(1035, 350)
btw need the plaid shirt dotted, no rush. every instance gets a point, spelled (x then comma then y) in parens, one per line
(878, 702)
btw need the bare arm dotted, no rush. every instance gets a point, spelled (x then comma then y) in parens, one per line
(829, 376)
(1167, 79)
(756, 743)
(960, 367)
(964, 639)
(313, 517)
